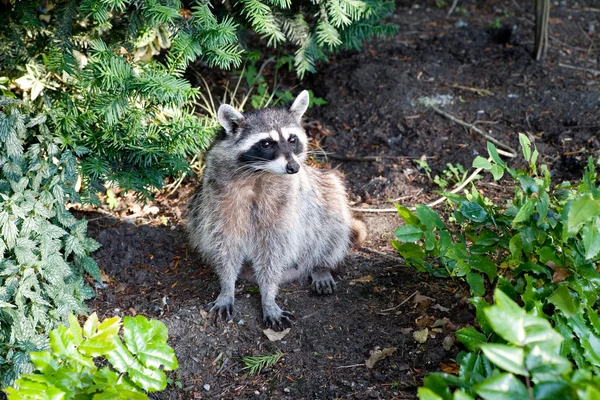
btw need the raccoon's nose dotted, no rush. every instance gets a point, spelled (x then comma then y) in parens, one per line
(292, 167)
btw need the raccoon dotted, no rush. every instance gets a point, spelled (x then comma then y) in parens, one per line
(261, 208)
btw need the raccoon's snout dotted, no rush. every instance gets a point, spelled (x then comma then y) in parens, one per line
(292, 167)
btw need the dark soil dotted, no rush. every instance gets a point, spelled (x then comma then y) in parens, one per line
(373, 110)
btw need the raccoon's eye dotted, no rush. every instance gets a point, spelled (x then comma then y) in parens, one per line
(293, 139)
(265, 144)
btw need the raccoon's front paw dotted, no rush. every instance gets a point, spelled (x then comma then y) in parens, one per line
(278, 319)
(322, 282)
(222, 309)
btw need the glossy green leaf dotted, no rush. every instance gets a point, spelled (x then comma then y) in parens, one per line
(525, 212)
(502, 387)
(408, 233)
(583, 209)
(471, 338)
(473, 211)
(563, 300)
(480, 162)
(476, 284)
(407, 215)
(485, 265)
(525, 146)
(509, 358)
(591, 238)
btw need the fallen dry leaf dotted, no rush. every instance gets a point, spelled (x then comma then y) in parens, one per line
(363, 279)
(448, 342)
(422, 302)
(450, 368)
(441, 308)
(424, 321)
(560, 273)
(421, 336)
(406, 330)
(378, 354)
(275, 336)
(440, 322)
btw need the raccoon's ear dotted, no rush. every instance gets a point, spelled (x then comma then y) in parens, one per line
(300, 105)
(229, 118)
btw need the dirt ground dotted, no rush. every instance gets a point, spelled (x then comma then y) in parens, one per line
(478, 61)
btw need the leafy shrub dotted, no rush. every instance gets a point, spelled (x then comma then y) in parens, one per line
(541, 250)
(44, 250)
(70, 369)
(530, 352)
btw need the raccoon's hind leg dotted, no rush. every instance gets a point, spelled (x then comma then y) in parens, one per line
(322, 281)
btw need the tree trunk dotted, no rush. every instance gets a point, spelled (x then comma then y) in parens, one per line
(542, 15)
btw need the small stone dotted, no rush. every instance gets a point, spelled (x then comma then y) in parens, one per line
(287, 390)
(206, 387)
(241, 322)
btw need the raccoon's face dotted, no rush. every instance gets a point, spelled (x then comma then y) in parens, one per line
(271, 139)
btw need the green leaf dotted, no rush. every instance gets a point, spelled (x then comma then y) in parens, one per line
(553, 391)
(408, 233)
(526, 146)
(583, 209)
(480, 162)
(502, 387)
(44, 361)
(497, 172)
(506, 319)
(428, 394)
(473, 211)
(407, 215)
(429, 218)
(525, 212)
(591, 238)
(471, 338)
(476, 284)
(563, 300)
(508, 358)
(485, 265)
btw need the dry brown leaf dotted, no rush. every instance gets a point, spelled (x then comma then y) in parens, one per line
(441, 308)
(378, 354)
(450, 368)
(406, 330)
(424, 321)
(421, 336)
(560, 273)
(275, 336)
(440, 322)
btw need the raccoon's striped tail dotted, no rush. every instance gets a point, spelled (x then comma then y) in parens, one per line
(358, 232)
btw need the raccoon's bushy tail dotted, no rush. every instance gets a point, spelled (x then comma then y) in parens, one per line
(358, 232)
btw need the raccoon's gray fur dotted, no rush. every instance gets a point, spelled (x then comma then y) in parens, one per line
(259, 206)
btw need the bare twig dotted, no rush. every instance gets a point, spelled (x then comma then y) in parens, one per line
(481, 92)
(355, 158)
(593, 72)
(381, 253)
(401, 304)
(432, 204)
(476, 129)
(451, 10)
(352, 366)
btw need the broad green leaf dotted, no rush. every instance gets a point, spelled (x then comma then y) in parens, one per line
(476, 284)
(480, 162)
(461, 395)
(151, 380)
(75, 329)
(508, 358)
(481, 304)
(473, 211)
(494, 154)
(407, 215)
(545, 361)
(497, 172)
(43, 361)
(408, 233)
(90, 325)
(525, 212)
(120, 358)
(502, 387)
(485, 265)
(506, 321)
(553, 391)
(591, 238)
(428, 394)
(591, 344)
(471, 338)
(157, 354)
(583, 209)
(437, 386)
(429, 218)
(563, 300)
